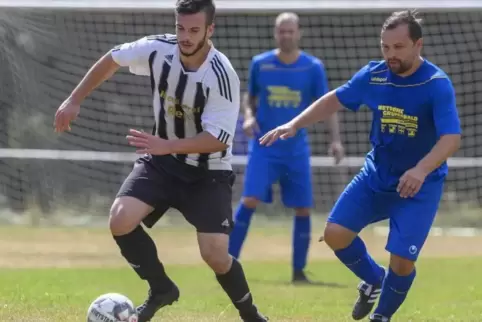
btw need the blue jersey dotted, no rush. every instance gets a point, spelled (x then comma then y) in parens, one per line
(409, 116)
(284, 91)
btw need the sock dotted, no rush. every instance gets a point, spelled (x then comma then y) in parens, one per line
(235, 285)
(242, 219)
(301, 241)
(139, 250)
(357, 259)
(394, 292)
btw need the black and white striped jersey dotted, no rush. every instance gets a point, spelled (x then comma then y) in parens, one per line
(187, 103)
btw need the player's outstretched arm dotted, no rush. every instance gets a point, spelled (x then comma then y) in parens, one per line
(134, 55)
(320, 110)
(102, 70)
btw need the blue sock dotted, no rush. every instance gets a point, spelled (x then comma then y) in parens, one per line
(357, 259)
(242, 219)
(301, 241)
(394, 292)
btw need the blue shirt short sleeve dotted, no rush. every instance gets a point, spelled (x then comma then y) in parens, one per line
(445, 113)
(351, 94)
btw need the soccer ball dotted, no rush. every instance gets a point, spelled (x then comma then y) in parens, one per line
(112, 307)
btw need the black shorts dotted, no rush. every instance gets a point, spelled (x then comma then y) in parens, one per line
(204, 199)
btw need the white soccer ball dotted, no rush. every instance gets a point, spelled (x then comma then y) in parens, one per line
(112, 307)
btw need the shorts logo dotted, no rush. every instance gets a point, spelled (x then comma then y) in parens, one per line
(413, 249)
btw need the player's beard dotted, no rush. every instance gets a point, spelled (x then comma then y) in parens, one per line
(401, 66)
(198, 47)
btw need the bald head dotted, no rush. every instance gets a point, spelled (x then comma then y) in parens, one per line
(287, 32)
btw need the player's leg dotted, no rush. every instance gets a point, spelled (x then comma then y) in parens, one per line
(258, 178)
(297, 193)
(208, 207)
(140, 197)
(410, 223)
(354, 210)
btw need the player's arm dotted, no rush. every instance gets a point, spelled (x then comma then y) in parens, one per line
(349, 95)
(134, 55)
(321, 88)
(219, 121)
(250, 101)
(447, 124)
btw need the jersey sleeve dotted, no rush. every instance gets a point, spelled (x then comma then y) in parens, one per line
(351, 94)
(135, 55)
(320, 80)
(253, 78)
(444, 106)
(221, 113)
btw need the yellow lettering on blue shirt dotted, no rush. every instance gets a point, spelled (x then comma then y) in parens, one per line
(395, 121)
(283, 96)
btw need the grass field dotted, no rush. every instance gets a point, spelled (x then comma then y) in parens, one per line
(52, 274)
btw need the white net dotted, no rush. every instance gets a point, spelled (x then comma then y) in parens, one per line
(45, 51)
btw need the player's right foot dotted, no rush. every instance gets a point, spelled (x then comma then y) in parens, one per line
(299, 277)
(156, 301)
(366, 300)
(253, 316)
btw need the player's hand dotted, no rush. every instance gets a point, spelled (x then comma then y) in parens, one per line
(66, 113)
(337, 151)
(411, 182)
(148, 143)
(250, 127)
(283, 132)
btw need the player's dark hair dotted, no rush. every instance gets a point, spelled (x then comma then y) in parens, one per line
(406, 17)
(189, 7)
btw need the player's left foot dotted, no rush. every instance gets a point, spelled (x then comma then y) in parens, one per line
(378, 318)
(299, 277)
(253, 316)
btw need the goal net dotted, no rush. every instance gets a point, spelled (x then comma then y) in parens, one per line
(45, 52)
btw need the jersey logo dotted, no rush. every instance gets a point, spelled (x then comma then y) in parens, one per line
(378, 79)
(169, 58)
(283, 96)
(395, 121)
(223, 78)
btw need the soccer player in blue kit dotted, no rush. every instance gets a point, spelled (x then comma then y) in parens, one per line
(415, 129)
(282, 83)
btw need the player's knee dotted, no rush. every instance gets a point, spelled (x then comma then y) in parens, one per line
(338, 237)
(119, 222)
(401, 266)
(302, 212)
(250, 202)
(214, 251)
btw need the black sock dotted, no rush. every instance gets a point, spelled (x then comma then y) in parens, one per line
(139, 250)
(235, 285)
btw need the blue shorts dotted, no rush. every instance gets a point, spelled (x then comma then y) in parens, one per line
(410, 219)
(293, 175)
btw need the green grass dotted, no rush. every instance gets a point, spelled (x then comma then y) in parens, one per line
(445, 290)
(53, 274)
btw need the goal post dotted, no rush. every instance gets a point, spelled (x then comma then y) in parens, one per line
(47, 47)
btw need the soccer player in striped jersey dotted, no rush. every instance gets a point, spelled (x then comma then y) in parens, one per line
(415, 128)
(186, 160)
(282, 83)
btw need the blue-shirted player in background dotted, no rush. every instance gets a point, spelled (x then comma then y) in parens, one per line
(282, 83)
(415, 128)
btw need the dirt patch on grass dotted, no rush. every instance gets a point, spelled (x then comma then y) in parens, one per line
(22, 247)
